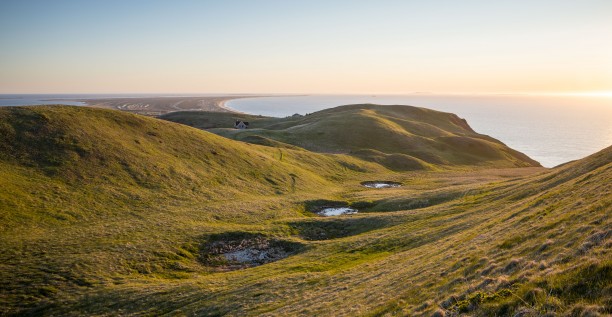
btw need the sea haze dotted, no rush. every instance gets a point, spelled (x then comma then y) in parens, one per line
(550, 129)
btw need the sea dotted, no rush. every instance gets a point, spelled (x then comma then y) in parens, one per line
(550, 129)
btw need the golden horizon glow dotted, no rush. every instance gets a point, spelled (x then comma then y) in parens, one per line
(592, 94)
(337, 47)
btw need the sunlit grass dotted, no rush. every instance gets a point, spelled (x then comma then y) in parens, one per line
(114, 219)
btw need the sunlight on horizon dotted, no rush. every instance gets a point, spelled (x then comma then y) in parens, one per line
(607, 94)
(384, 47)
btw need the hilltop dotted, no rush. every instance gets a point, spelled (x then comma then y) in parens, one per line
(105, 212)
(398, 137)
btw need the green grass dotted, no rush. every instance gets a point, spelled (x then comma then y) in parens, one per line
(95, 223)
(399, 137)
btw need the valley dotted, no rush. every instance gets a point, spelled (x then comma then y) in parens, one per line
(117, 213)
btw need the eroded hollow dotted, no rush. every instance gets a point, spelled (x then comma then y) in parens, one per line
(381, 184)
(333, 228)
(239, 250)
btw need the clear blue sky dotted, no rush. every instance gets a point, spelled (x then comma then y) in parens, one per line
(305, 46)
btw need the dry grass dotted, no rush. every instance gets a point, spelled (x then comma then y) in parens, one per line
(489, 242)
(401, 138)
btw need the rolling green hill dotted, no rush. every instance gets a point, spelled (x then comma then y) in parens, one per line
(109, 213)
(124, 158)
(399, 137)
(88, 179)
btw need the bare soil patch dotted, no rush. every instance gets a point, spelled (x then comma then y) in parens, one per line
(240, 250)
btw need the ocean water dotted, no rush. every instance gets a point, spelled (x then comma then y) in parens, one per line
(550, 129)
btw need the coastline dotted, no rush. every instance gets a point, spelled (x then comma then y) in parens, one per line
(222, 104)
(156, 106)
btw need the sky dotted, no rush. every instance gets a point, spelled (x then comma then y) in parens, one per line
(309, 46)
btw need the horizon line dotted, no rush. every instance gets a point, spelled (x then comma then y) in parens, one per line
(175, 94)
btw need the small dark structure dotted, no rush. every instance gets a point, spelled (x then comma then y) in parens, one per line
(241, 124)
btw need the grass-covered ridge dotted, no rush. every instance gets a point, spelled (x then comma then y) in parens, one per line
(126, 157)
(112, 219)
(399, 137)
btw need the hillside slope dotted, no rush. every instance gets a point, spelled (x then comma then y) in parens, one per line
(77, 185)
(127, 157)
(529, 247)
(107, 213)
(399, 137)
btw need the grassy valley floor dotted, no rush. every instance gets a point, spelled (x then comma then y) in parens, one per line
(118, 214)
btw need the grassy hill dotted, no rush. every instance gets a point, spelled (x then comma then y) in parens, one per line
(124, 158)
(399, 137)
(79, 185)
(107, 213)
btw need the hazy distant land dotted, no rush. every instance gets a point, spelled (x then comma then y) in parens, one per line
(154, 106)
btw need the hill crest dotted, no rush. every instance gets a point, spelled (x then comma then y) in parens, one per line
(396, 136)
